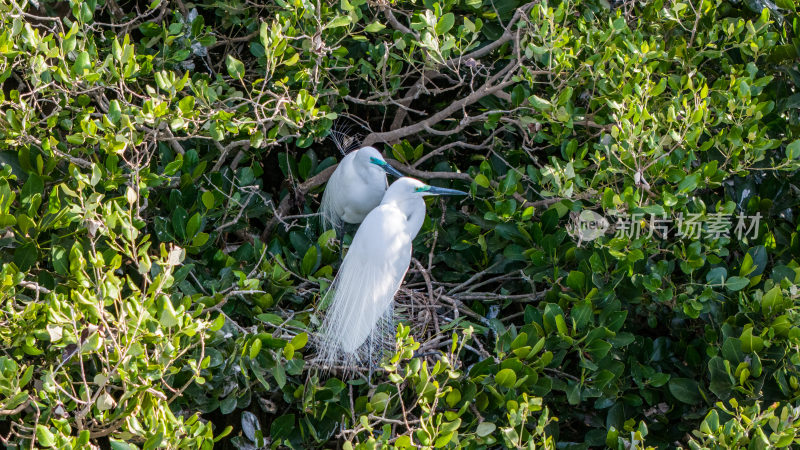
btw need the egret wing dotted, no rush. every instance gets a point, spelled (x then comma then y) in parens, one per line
(364, 289)
(330, 211)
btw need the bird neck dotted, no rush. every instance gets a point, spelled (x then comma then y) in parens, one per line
(414, 211)
(415, 220)
(369, 172)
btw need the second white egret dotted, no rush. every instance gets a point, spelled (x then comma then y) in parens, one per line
(355, 187)
(359, 320)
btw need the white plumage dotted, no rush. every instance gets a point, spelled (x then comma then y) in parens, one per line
(359, 322)
(355, 188)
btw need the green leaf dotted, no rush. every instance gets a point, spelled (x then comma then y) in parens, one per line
(659, 88)
(60, 259)
(772, 301)
(755, 261)
(750, 342)
(374, 27)
(305, 166)
(340, 21)
(218, 323)
(598, 348)
(519, 341)
(506, 378)
(114, 111)
(300, 341)
(540, 103)
(509, 183)
(76, 139)
(282, 426)
(208, 199)
(689, 183)
(445, 23)
(288, 351)
(716, 276)
(26, 256)
(309, 264)
(280, 376)
(82, 62)
(581, 314)
(7, 220)
(235, 67)
(453, 397)
(186, 104)
(179, 222)
(168, 317)
(482, 181)
(120, 445)
(485, 429)
(720, 376)
(659, 379)
(173, 167)
(379, 401)
(573, 391)
(736, 283)
(732, 350)
(612, 437)
(576, 280)
(685, 390)
(44, 436)
(228, 404)
(193, 225)
(255, 348)
(443, 439)
(200, 239)
(561, 325)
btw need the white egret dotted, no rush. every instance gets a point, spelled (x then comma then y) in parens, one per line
(359, 320)
(355, 188)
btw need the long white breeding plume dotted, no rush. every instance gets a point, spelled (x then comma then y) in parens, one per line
(359, 322)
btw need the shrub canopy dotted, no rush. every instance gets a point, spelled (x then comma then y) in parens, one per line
(162, 265)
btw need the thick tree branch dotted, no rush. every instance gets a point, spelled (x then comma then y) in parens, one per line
(17, 410)
(416, 173)
(387, 11)
(453, 63)
(491, 86)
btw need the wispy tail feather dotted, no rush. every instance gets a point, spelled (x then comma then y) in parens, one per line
(344, 138)
(358, 326)
(327, 210)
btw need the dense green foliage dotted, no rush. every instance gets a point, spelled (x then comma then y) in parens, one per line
(162, 266)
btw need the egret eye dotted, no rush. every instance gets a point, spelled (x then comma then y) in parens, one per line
(425, 188)
(377, 161)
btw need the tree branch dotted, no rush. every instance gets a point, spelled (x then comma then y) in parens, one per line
(396, 23)
(286, 204)
(17, 410)
(487, 88)
(505, 37)
(225, 150)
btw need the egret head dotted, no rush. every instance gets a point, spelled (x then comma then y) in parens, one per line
(371, 157)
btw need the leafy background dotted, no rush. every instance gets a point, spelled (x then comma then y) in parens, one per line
(162, 264)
